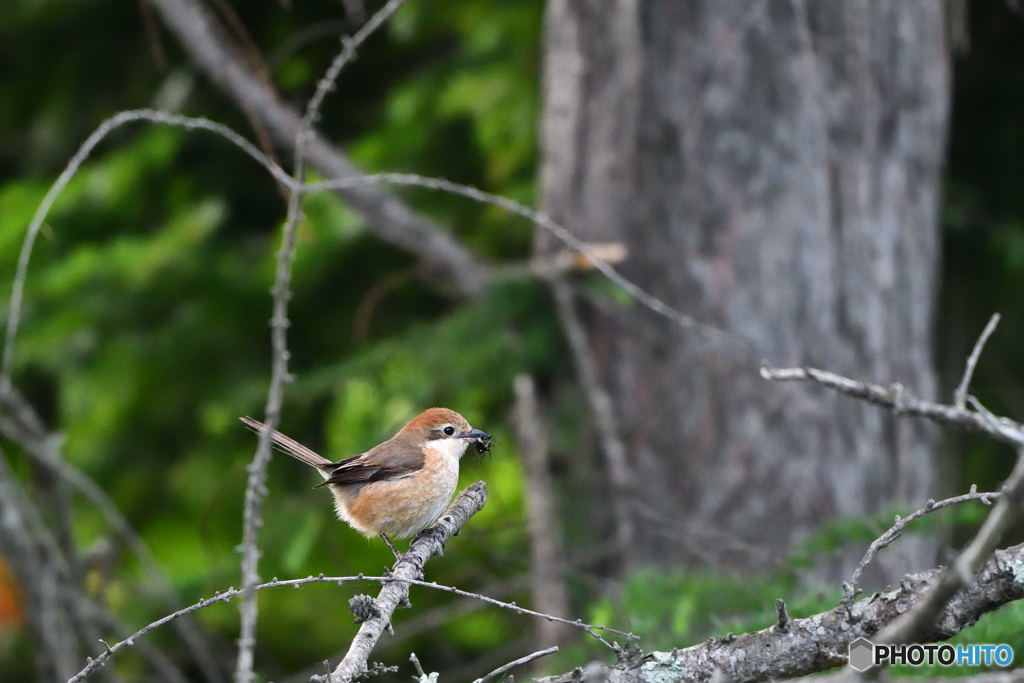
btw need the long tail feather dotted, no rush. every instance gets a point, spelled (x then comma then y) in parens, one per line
(288, 445)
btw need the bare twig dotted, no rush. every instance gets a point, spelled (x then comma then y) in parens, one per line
(416, 665)
(161, 662)
(95, 663)
(46, 620)
(919, 620)
(542, 220)
(97, 136)
(783, 620)
(915, 623)
(819, 642)
(385, 216)
(960, 395)
(505, 668)
(255, 486)
(435, 617)
(92, 664)
(852, 587)
(896, 397)
(20, 423)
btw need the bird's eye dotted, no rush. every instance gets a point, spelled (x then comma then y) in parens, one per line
(449, 431)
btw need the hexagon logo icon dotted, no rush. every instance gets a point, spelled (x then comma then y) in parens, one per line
(862, 654)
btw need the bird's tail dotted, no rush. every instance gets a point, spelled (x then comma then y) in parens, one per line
(288, 445)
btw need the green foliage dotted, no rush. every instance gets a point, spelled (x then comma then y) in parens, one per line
(144, 334)
(145, 329)
(677, 608)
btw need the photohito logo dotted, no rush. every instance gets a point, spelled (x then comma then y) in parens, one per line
(863, 654)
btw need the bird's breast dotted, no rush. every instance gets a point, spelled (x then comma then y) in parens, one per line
(404, 506)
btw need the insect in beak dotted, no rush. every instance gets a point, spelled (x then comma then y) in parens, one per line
(482, 441)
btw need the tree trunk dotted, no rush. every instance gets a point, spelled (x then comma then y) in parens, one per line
(774, 169)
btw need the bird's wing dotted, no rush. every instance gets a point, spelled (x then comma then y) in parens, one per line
(389, 460)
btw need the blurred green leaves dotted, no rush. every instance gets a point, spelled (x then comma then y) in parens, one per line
(145, 331)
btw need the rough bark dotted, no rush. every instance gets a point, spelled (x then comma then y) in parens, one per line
(819, 642)
(773, 168)
(375, 614)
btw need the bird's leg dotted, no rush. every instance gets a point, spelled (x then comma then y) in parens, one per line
(391, 545)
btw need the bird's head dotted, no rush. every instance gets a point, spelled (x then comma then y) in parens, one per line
(445, 430)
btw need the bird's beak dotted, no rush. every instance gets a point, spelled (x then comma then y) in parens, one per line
(475, 435)
(481, 440)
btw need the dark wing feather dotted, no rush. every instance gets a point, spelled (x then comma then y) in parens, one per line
(390, 460)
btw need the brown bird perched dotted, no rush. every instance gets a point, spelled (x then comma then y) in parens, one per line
(401, 486)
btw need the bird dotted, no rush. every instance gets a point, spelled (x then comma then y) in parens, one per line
(401, 486)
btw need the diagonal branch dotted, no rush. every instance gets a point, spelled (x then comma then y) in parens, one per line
(505, 668)
(739, 345)
(409, 566)
(79, 158)
(919, 620)
(852, 587)
(899, 399)
(819, 642)
(388, 217)
(20, 423)
(960, 395)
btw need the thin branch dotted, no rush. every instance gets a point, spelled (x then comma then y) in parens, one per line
(819, 641)
(919, 620)
(504, 668)
(97, 136)
(542, 220)
(852, 588)
(915, 623)
(437, 616)
(598, 256)
(960, 395)
(387, 217)
(95, 663)
(39, 581)
(160, 661)
(416, 665)
(403, 575)
(348, 52)
(256, 487)
(20, 423)
(408, 569)
(896, 397)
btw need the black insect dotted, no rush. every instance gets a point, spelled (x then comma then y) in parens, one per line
(483, 445)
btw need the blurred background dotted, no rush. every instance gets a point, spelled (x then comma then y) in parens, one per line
(837, 185)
